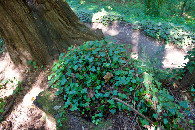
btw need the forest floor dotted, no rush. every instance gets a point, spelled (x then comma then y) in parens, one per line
(25, 115)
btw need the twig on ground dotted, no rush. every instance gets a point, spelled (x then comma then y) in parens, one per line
(136, 112)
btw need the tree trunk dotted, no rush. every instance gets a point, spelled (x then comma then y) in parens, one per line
(39, 30)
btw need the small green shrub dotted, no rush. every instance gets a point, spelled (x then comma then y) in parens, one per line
(90, 75)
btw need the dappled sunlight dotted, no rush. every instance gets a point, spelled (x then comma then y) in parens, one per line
(135, 44)
(174, 57)
(37, 87)
(112, 32)
(105, 29)
(26, 112)
(8, 69)
(10, 74)
(31, 96)
(169, 55)
(99, 15)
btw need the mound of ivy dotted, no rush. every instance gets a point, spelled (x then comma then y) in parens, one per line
(90, 75)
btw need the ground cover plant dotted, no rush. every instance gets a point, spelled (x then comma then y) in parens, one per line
(1, 46)
(173, 29)
(89, 76)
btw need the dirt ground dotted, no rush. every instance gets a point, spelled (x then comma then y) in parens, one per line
(24, 115)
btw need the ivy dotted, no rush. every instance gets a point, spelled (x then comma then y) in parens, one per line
(87, 83)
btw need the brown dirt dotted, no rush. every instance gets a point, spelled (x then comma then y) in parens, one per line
(23, 114)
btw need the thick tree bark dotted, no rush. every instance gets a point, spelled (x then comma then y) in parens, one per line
(39, 30)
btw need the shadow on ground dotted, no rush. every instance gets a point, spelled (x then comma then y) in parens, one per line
(167, 56)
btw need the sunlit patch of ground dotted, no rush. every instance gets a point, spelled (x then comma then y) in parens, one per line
(24, 114)
(8, 73)
(174, 58)
(169, 55)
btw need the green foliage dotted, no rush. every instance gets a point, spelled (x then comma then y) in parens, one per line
(167, 109)
(84, 15)
(80, 76)
(33, 65)
(1, 46)
(153, 7)
(2, 105)
(191, 64)
(88, 76)
(164, 30)
(168, 26)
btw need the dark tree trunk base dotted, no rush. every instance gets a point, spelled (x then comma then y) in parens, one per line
(39, 30)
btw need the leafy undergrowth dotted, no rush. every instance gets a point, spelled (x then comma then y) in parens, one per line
(190, 65)
(89, 76)
(1, 46)
(2, 105)
(173, 30)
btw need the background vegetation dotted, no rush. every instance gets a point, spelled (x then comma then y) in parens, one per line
(171, 20)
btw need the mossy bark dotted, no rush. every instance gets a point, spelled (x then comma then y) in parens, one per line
(40, 30)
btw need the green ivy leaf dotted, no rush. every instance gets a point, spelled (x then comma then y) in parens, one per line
(131, 89)
(98, 87)
(183, 104)
(133, 81)
(190, 68)
(93, 69)
(173, 111)
(84, 91)
(112, 111)
(107, 94)
(165, 120)
(144, 122)
(74, 107)
(63, 80)
(91, 59)
(155, 115)
(75, 67)
(103, 54)
(114, 92)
